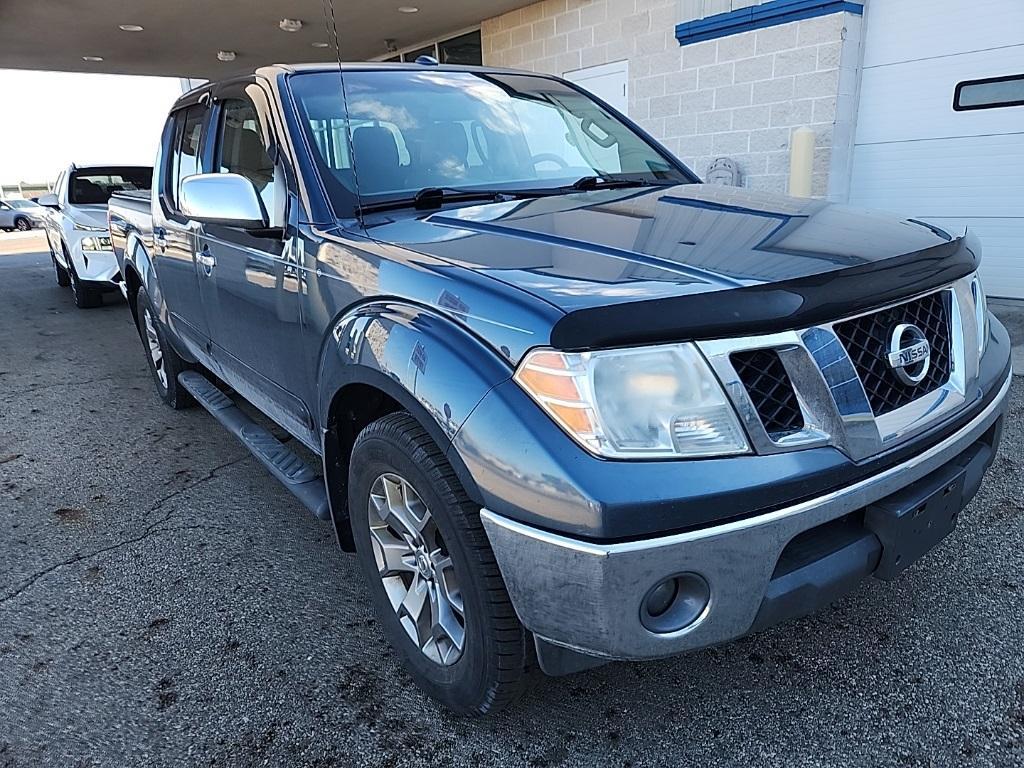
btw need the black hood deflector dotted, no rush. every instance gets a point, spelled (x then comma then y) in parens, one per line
(768, 308)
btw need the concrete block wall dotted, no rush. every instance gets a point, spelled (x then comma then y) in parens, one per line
(739, 96)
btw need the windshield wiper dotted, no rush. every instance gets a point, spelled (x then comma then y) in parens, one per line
(430, 198)
(588, 183)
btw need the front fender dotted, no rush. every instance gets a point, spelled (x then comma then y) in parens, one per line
(429, 364)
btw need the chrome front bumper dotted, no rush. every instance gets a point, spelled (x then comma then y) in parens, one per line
(586, 597)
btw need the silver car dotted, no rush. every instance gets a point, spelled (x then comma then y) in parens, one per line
(21, 215)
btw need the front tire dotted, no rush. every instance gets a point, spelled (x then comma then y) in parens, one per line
(164, 362)
(59, 273)
(432, 575)
(84, 296)
(23, 225)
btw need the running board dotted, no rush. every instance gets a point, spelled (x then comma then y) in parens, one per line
(307, 486)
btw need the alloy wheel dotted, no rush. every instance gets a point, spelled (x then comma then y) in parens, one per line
(156, 353)
(416, 569)
(22, 226)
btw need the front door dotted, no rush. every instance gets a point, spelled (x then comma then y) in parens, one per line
(249, 281)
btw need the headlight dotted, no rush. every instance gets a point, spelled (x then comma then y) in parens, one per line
(647, 402)
(981, 313)
(88, 227)
(96, 244)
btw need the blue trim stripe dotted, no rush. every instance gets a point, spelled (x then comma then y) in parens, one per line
(768, 14)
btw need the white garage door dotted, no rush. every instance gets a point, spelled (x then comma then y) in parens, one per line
(606, 81)
(915, 154)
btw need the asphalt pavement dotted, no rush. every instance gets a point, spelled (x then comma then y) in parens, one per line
(164, 602)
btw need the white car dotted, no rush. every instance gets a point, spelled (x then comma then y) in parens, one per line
(77, 231)
(21, 215)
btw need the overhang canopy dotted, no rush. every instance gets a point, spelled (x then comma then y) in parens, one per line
(181, 38)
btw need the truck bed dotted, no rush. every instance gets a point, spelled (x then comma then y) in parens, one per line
(129, 214)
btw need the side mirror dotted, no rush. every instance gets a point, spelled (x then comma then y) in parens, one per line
(222, 198)
(48, 201)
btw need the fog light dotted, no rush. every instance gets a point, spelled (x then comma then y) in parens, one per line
(675, 603)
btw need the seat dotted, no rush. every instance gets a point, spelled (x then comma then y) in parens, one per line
(87, 192)
(376, 159)
(446, 152)
(251, 159)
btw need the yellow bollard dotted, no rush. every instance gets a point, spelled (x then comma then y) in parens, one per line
(801, 158)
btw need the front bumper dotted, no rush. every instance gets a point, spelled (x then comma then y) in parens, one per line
(97, 267)
(586, 597)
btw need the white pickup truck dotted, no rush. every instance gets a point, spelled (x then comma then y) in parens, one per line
(76, 227)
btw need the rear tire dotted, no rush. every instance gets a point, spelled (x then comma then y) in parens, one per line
(449, 560)
(84, 296)
(164, 362)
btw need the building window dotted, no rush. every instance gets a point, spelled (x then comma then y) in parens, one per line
(430, 50)
(990, 93)
(462, 49)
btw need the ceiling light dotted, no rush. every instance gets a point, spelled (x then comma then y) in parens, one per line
(408, 9)
(226, 55)
(130, 28)
(92, 58)
(321, 45)
(290, 25)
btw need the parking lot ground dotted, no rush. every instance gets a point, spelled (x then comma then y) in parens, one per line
(164, 602)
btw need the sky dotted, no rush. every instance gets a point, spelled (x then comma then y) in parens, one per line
(52, 119)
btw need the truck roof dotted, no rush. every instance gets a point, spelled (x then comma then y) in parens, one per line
(272, 70)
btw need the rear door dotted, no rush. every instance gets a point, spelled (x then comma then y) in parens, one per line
(250, 283)
(174, 235)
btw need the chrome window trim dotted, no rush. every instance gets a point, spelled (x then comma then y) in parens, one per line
(832, 399)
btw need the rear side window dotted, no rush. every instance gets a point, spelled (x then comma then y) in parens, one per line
(185, 157)
(990, 93)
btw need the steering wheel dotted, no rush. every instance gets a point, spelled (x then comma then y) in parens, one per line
(550, 157)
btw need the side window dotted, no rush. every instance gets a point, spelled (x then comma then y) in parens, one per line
(989, 93)
(240, 150)
(184, 158)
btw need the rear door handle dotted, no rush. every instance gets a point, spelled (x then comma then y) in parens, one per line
(160, 237)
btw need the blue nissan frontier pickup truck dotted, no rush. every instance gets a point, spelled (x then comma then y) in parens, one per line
(570, 404)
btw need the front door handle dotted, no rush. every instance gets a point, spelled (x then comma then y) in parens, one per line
(207, 260)
(160, 237)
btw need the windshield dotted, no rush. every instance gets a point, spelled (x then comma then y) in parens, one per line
(412, 130)
(94, 186)
(22, 204)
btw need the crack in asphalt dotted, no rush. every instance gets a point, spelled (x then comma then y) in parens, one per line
(150, 530)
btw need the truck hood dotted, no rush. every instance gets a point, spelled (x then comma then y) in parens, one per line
(628, 256)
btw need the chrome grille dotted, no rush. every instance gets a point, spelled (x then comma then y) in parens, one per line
(770, 390)
(839, 377)
(866, 340)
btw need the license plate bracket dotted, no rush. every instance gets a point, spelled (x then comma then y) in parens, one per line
(912, 521)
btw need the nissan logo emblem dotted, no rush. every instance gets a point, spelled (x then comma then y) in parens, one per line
(910, 354)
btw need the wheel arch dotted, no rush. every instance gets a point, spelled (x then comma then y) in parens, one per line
(135, 271)
(388, 356)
